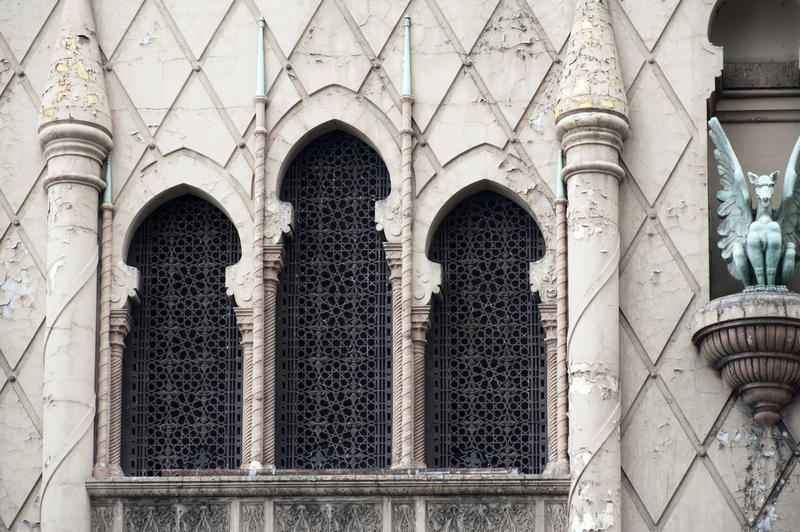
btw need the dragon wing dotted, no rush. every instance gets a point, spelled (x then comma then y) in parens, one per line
(789, 213)
(735, 210)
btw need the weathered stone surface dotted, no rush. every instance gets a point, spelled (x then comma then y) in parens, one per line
(654, 292)
(21, 449)
(463, 121)
(653, 116)
(750, 458)
(326, 55)
(197, 30)
(194, 123)
(699, 494)
(512, 59)
(21, 159)
(376, 19)
(22, 289)
(148, 55)
(655, 451)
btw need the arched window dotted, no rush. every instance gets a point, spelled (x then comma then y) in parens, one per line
(182, 375)
(485, 361)
(333, 366)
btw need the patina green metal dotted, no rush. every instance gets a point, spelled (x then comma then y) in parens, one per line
(759, 248)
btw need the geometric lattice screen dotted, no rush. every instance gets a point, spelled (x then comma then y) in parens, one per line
(485, 362)
(334, 336)
(182, 375)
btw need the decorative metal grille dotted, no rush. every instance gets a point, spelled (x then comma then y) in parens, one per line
(182, 371)
(485, 363)
(334, 378)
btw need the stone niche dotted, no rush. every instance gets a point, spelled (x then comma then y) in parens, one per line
(386, 502)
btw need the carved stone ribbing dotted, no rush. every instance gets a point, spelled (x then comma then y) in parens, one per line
(394, 260)
(244, 320)
(420, 324)
(548, 314)
(120, 326)
(101, 467)
(273, 263)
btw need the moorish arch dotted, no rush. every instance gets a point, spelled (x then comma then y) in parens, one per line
(182, 367)
(334, 312)
(485, 363)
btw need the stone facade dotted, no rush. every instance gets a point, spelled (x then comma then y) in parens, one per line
(486, 80)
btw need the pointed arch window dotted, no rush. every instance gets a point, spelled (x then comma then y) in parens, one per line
(334, 344)
(182, 369)
(485, 360)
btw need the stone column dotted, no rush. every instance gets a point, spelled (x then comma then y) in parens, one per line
(273, 264)
(548, 315)
(420, 323)
(394, 259)
(591, 116)
(120, 324)
(244, 320)
(75, 134)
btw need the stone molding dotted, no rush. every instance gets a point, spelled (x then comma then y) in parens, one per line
(753, 338)
(287, 484)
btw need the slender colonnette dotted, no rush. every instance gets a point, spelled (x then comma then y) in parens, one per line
(258, 457)
(562, 308)
(75, 134)
(407, 206)
(591, 116)
(102, 459)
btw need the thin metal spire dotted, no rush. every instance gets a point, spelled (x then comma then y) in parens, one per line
(260, 81)
(407, 57)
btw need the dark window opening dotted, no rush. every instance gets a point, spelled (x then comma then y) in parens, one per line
(485, 363)
(334, 344)
(182, 370)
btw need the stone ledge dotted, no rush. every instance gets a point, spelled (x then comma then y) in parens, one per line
(747, 305)
(365, 485)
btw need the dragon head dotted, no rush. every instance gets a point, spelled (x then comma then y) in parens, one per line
(764, 185)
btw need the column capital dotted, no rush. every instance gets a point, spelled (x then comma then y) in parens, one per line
(244, 320)
(394, 258)
(273, 261)
(120, 323)
(420, 322)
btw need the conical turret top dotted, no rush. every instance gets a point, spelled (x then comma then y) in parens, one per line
(76, 89)
(591, 80)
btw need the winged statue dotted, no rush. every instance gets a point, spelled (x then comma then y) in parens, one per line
(759, 247)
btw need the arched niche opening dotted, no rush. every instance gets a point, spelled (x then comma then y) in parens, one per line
(757, 101)
(333, 317)
(182, 367)
(485, 373)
